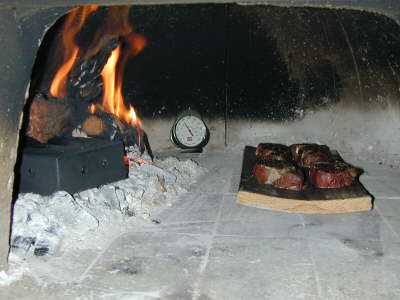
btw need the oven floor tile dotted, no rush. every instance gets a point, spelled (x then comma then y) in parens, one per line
(161, 265)
(242, 220)
(258, 268)
(356, 269)
(207, 247)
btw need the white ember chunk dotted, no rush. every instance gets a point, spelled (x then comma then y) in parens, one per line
(153, 170)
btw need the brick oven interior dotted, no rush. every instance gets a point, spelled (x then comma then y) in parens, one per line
(276, 71)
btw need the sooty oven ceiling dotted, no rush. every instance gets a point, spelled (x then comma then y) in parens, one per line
(257, 62)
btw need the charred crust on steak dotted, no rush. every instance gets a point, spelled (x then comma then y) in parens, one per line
(308, 154)
(297, 150)
(277, 164)
(310, 157)
(272, 146)
(332, 166)
(271, 151)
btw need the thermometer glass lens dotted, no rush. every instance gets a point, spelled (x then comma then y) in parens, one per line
(190, 131)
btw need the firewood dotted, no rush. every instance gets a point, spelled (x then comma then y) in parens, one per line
(107, 126)
(52, 117)
(93, 126)
(49, 118)
(85, 80)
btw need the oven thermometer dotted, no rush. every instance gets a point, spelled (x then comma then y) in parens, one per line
(190, 131)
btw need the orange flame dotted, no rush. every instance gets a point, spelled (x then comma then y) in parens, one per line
(71, 27)
(113, 72)
(113, 100)
(109, 75)
(136, 42)
(132, 115)
(92, 108)
(116, 25)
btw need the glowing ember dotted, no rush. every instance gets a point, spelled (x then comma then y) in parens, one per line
(92, 108)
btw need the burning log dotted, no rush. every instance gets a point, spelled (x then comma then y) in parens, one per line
(92, 77)
(50, 117)
(85, 80)
(107, 126)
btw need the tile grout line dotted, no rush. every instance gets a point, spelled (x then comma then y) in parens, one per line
(213, 234)
(388, 197)
(98, 256)
(314, 266)
(185, 222)
(204, 262)
(387, 223)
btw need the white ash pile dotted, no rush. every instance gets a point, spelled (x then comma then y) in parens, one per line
(42, 224)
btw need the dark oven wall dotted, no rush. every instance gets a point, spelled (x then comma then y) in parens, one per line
(260, 73)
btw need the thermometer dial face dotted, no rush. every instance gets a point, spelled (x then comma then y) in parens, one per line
(190, 132)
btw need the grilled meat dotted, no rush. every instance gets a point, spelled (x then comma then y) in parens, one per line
(271, 151)
(334, 174)
(279, 173)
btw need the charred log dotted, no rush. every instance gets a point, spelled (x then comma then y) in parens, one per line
(51, 117)
(85, 81)
(107, 126)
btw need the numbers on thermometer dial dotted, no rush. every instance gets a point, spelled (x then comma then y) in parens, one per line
(190, 131)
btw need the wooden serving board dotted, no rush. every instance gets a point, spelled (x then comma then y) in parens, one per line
(310, 200)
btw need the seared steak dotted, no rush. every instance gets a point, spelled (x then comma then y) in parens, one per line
(297, 149)
(308, 154)
(270, 151)
(279, 173)
(332, 174)
(310, 157)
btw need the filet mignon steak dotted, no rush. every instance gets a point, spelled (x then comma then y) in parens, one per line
(335, 174)
(279, 173)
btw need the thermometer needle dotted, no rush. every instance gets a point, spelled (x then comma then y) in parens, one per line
(188, 128)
